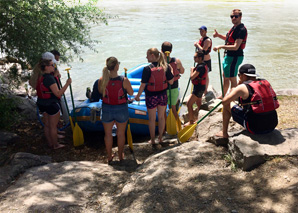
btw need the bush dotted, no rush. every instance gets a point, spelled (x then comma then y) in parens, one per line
(8, 111)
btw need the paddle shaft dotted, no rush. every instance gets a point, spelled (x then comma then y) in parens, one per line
(73, 105)
(220, 74)
(64, 97)
(209, 112)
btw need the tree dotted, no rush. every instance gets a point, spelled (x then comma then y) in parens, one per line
(30, 27)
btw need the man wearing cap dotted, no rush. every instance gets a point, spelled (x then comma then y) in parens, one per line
(235, 41)
(205, 44)
(257, 103)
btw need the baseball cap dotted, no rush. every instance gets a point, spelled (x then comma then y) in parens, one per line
(248, 70)
(49, 56)
(203, 28)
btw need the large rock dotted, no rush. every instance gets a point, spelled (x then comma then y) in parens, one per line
(7, 138)
(27, 108)
(248, 150)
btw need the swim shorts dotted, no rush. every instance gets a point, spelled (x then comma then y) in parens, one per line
(174, 96)
(198, 90)
(118, 113)
(51, 109)
(208, 65)
(231, 65)
(156, 100)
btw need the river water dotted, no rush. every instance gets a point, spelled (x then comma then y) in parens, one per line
(271, 45)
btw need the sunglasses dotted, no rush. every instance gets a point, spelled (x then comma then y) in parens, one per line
(51, 65)
(232, 16)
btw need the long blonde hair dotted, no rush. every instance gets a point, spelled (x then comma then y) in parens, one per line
(160, 56)
(111, 63)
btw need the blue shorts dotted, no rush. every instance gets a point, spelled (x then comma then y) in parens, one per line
(231, 65)
(118, 113)
(51, 109)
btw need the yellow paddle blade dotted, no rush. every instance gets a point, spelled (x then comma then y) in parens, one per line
(78, 137)
(71, 123)
(186, 132)
(178, 123)
(171, 124)
(129, 137)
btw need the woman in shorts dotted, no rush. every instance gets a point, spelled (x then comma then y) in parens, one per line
(198, 76)
(48, 101)
(155, 79)
(114, 89)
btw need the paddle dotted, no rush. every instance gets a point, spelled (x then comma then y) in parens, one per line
(66, 105)
(171, 120)
(78, 137)
(128, 131)
(220, 74)
(188, 131)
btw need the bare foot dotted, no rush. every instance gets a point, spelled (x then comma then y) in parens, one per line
(58, 146)
(60, 136)
(222, 135)
(219, 97)
(188, 123)
(160, 140)
(152, 142)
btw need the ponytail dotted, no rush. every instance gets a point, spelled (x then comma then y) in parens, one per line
(162, 62)
(105, 81)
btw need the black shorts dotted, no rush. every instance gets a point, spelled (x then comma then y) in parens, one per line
(261, 123)
(198, 90)
(208, 65)
(51, 109)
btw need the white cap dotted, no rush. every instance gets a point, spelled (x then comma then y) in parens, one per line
(49, 56)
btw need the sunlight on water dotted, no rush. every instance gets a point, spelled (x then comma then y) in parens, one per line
(271, 45)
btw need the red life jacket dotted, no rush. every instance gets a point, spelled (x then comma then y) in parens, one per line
(42, 91)
(263, 98)
(158, 80)
(231, 41)
(201, 43)
(173, 64)
(201, 80)
(115, 94)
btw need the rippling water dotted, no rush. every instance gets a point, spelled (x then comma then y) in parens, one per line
(271, 46)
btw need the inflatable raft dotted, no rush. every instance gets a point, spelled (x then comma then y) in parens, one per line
(89, 113)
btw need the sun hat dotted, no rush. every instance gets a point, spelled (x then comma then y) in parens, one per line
(49, 56)
(248, 70)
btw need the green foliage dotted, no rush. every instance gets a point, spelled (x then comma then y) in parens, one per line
(229, 160)
(29, 28)
(8, 111)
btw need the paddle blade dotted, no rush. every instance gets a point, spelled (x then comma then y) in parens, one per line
(178, 124)
(171, 124)
(129, 138)
(78, 137)
(186, 132)
(71, 123)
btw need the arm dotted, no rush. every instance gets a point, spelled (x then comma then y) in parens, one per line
(217, 35)
(193, 73)
(127, 86)
(233, 47)
(179, 66)
(239, 91)
(141, 89)
(58, 93)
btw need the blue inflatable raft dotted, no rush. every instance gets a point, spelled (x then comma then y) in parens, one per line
(89, 114)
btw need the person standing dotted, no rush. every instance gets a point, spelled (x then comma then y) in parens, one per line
(48, 101)
(155, 79)
(198, 77)
(235, 42)
(205, 44)
(177, 70)
(257, 103)
(114, 89)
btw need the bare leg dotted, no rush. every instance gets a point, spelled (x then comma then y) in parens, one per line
(108, 138)
(189, 104)
(233, 82)
(53, 121)
(226, 85)
(226, 116)
(161, 121)
(47, 129)
(152, 119)
(207, 84)
(121, 138)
